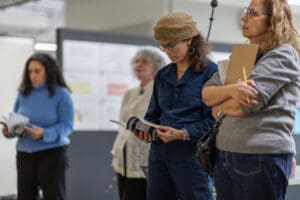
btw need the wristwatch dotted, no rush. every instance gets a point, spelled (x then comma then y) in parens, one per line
(186, 135)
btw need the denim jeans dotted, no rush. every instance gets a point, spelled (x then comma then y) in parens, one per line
(252, 176)
(175, 173)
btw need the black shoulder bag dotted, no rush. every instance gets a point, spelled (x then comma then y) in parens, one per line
(206, 147)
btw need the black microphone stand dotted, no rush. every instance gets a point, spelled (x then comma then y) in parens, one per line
(213, 4)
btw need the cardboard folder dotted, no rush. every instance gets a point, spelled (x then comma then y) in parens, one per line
(242, 55)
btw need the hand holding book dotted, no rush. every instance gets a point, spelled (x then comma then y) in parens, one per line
(15, 125)
(143, 129)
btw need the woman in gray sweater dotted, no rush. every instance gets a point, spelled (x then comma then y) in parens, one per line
(255, 143)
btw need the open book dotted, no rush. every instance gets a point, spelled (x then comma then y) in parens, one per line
(148, 123)
(141, 120)
(135, 123)
(16, 124)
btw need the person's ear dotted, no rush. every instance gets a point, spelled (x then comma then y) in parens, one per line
(270, 29)
(189, 41)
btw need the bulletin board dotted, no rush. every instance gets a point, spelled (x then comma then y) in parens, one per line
(97, 69)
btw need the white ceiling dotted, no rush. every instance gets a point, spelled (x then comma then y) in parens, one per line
(36, 18)
(40, 18)
(295, 4)
(238, 3)
(234, 3)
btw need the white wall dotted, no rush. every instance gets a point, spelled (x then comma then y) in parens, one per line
(14, 52)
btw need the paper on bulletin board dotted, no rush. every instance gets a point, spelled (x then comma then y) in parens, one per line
(97, 98)
(98, 74)
(87, 114)
(84, 85)
(117, 57)
(81, 56)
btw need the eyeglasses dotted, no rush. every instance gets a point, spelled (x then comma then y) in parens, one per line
(251, 12)
(170, 46)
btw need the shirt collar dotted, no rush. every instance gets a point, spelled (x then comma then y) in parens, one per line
(171, 75)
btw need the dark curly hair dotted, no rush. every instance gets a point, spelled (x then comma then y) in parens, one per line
(53, 73)
(199, 57)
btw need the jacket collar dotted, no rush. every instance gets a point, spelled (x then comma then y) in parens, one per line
(170, 75)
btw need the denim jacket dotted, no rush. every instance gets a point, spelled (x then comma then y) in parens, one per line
(178, 103)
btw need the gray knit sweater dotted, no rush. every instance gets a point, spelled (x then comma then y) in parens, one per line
(268, 126)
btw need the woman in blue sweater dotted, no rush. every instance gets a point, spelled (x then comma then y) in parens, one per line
(45, 99)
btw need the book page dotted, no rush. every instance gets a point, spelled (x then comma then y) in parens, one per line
(148, 123)
(16, 119)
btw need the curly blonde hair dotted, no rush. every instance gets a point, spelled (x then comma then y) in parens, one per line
(281, 20)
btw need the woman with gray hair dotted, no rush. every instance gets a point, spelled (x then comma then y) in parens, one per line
(129, 153)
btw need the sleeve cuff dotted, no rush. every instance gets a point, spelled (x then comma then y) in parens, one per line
(48, 135)
(186, 135)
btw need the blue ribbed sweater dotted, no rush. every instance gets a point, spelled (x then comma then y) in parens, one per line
(54, 114)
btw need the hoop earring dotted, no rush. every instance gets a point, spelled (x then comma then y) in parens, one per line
(191, 50)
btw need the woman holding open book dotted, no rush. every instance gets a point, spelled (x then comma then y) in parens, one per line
(255, 143)
(44, 98)
(176, 106)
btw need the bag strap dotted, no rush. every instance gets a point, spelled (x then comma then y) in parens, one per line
(219, 122)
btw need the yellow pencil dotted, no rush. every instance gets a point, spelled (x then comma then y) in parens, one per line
(245, 79)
